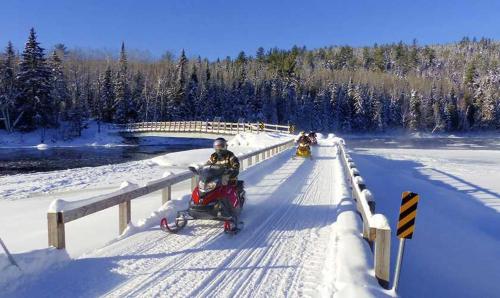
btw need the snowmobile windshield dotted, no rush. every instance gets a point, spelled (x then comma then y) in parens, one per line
(210, 172)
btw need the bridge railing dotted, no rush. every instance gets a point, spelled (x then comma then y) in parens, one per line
(62, 212)
(218, 127)
(375, 226)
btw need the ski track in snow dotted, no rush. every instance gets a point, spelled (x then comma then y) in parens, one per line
(286, 248)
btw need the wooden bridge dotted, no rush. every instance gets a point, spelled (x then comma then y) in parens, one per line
(208, 127)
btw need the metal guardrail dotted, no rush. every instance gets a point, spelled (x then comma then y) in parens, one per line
(217, 127)
(56, 219)
(375, 226)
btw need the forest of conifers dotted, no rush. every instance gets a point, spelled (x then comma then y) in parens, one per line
(435, 88)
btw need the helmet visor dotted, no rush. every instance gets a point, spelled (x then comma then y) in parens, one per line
(220, 145)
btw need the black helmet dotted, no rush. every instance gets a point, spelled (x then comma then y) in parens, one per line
(220, 144)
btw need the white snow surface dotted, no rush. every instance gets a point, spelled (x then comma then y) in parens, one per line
(455, 250)
(301, 237)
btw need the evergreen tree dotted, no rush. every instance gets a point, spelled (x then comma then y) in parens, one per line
(139, 106)
(34, 82)
(414, 121)
(450, 112)
(107, 99)
(123, 104)
(260, 54)
(178, 93)
(8, 90)
(190, 104)
(336, 108)
(60, 92)
(361, 110)
(378, 117)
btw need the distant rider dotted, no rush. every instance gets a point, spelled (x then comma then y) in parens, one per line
(226, 159)
(303, 139)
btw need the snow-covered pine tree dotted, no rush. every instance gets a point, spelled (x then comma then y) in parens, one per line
(378, 119)
(334, 117)
(123, 102)
(450, 112)
(107, 96)
(60, 92)
(347, 107)
(255, 105)
(179, 92)
(269, 105)
(8, 76)
(488, 106)
(414, 113)
(439, 122)
(361, 110)
(138, 100)
(190, 109)
(318, 120)
(395, 118)
(34, 82)
(428, 122)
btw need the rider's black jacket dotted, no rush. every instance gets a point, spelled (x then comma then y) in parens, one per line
(228, 160)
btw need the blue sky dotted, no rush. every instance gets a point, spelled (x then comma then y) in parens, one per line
(218, 28)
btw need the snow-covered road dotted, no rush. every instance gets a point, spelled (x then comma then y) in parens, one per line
(301, 239)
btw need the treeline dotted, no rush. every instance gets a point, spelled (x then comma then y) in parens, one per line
(454, 87)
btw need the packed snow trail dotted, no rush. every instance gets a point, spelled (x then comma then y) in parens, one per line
(289, 245)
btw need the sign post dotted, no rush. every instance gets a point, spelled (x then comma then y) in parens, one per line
(406, 227)
(9, 256)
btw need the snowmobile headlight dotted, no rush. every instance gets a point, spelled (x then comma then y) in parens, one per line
(206, 187)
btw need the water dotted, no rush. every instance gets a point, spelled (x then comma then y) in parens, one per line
(31, 160)
(425, 143)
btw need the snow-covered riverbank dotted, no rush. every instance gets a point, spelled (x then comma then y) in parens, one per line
(91, 136)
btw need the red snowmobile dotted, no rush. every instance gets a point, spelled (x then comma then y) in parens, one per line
(211, 200)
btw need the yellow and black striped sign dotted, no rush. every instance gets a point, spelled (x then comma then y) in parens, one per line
(291, 128)
(261, 125)
(407, 214)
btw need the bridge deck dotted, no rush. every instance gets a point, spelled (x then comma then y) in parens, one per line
(301, 238)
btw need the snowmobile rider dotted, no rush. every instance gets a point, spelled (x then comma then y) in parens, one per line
(303, 139)
(226, 159)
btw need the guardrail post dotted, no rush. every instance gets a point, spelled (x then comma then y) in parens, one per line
(55, 226)
(383, 256)
(166, 194)
(249, 162)
(124, 215)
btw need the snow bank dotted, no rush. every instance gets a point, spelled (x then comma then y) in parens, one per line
(168, 210)
(182, 159)
(257, 141)
(58, 137)
(42, 146)
(31, 264)
(354, 256)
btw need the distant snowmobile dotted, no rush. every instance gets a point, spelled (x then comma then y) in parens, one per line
(312, 138)
(212, 200)
(303, 150)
